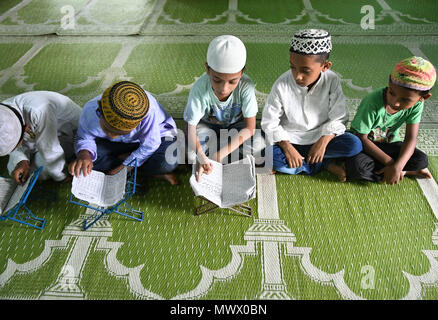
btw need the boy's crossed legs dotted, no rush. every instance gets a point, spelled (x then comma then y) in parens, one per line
(342, 146)
(364, 167)
(111, 154)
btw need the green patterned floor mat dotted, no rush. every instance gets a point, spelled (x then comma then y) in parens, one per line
(365, 229)
(433, 167)
(283, 17)
(167, 252)
(83, 67)
(182, 17)
(366, 242)
(38, 17)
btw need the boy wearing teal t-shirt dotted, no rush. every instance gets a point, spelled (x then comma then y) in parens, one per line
(380, 115)
(221, 109)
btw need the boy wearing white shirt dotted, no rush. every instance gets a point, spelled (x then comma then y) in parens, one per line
(305, 113)
(37, 129)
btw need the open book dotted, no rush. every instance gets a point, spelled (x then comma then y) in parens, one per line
(100, 189)
(11, 193)
(227, 185)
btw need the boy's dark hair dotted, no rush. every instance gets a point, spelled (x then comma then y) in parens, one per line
(421, 93)
(320, 57)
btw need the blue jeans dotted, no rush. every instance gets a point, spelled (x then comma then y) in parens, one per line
(343, 146)
(108, 153)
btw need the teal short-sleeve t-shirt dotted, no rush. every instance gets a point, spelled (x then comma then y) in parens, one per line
(372, 119)
(203, 104)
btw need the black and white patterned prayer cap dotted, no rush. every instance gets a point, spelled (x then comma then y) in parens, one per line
(311, 41)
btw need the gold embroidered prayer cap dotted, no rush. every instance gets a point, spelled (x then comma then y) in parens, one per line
(123, 105)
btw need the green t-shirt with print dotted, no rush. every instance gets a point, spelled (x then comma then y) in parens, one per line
(371, 118)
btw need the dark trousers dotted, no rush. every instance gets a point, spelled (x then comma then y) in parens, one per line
(108, 153)
(363, 166)
(342, 146)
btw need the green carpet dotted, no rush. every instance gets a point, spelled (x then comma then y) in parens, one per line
(381, 227)
(309, 238)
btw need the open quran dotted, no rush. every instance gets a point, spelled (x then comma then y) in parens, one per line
(227, 185)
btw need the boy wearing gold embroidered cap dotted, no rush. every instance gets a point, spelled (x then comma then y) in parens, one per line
(124, 123)
(380, 115)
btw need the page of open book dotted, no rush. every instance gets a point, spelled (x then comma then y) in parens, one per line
(89, 188)
(7, 187)
(114, 187)
(210, 186)
(18, 193)
(239, 183)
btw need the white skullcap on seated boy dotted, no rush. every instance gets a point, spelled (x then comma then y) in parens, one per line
(226, 54)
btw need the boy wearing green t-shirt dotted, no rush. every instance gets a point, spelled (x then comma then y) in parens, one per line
(385, 157)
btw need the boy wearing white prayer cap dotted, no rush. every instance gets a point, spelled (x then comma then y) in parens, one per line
(37, 129)
(305, 113)
(222, 102)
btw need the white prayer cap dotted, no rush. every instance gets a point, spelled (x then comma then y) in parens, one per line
(226, 54)
(311, 41)
(10, 130)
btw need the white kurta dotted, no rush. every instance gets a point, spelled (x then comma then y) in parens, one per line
(53, 120)
(302, 116)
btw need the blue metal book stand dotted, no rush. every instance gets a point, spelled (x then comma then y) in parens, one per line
(20, 213)
(122, 207)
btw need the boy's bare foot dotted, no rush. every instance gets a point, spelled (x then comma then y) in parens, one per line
(170, 177)
(423, 173)
(338, 170)
(272, 172)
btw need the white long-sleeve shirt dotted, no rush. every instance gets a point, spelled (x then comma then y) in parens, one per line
(51, 117)
(303, 116)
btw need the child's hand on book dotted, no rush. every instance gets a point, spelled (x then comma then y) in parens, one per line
(82, 163)
(21, 172)
(206, 168)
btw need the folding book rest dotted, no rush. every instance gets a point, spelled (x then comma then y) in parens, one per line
(20, 213)
(122, 207)
(207, 205)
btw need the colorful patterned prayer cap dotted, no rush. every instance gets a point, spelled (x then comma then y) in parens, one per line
(11, 129)
(311, 41)
(414, 73)
(124, 105)
(226, 54)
